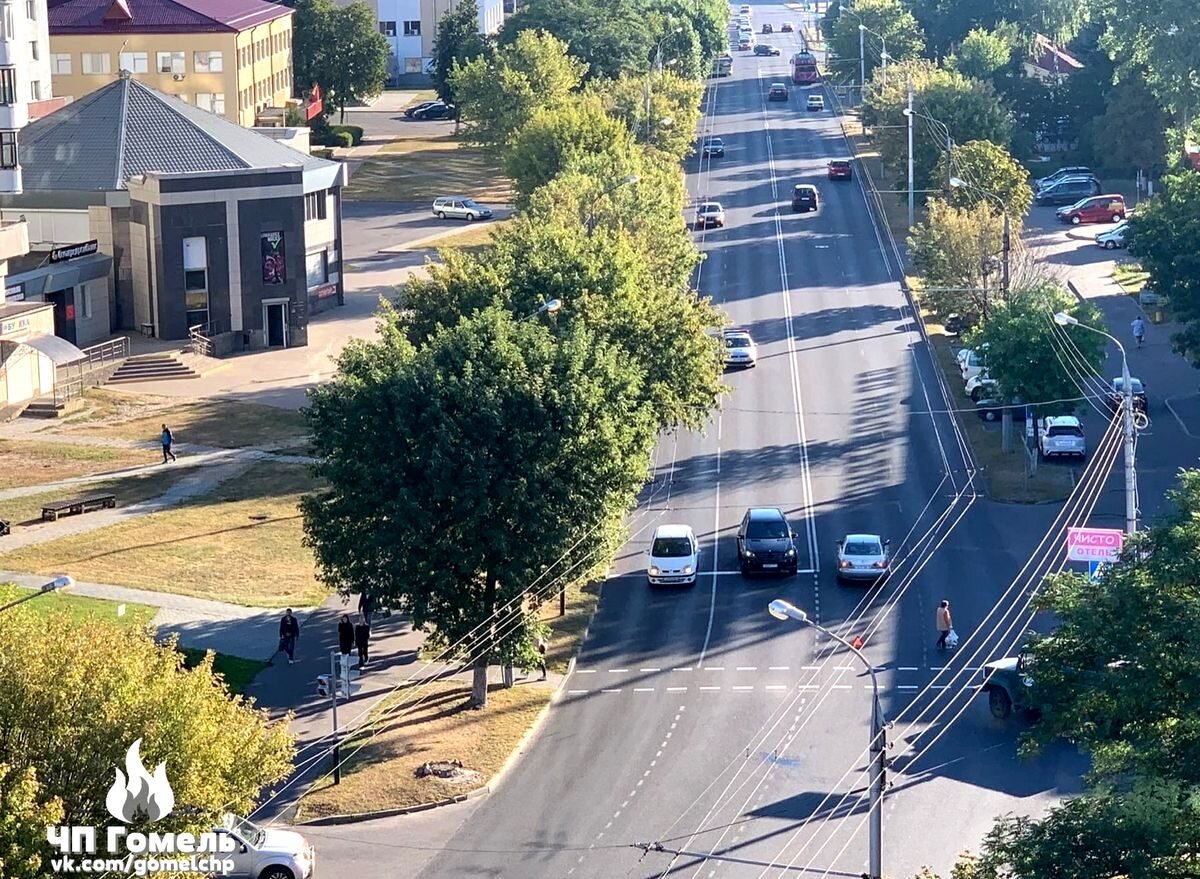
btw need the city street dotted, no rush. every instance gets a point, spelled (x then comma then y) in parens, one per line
(695, 721)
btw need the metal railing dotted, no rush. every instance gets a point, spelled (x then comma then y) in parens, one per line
(200, 337)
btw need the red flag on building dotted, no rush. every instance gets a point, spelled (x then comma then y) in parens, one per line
(316, 106)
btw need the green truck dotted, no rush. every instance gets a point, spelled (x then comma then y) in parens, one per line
(1009, 686)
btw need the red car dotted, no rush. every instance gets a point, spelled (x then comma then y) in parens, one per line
(1095, 209)
(839, 169)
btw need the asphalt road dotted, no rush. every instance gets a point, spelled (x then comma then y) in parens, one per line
(693, 719)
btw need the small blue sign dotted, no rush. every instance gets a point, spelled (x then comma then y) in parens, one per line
(1095, 570)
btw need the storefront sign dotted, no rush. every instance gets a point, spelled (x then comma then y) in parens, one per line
(11, 326)
(274, 271)
(15, 293)
(72, 251)
(324, 291)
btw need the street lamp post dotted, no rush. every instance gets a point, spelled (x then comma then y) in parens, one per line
(883, 55)
(1065, 320)
(783, 610)
(550, 306)
(56, 585)
(590, 223)
(1006, 276)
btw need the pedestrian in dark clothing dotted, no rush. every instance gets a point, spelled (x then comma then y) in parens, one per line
(167, 439)
(541, 648)
(345, 635)
(366, 607)
(944, 624)
(289, 634)
(362, 637)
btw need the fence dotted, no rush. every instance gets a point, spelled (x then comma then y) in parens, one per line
(201, 338)
(96, 365)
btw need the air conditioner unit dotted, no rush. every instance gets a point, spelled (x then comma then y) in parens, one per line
(178, 77)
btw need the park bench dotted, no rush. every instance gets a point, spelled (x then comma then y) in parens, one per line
(83, 504)
(5, 528)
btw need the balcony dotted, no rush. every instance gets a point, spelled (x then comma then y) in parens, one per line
(14, 239)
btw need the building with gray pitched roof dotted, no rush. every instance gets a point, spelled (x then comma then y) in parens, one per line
(197, 221)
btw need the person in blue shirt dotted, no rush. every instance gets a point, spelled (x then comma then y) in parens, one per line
(167, 440)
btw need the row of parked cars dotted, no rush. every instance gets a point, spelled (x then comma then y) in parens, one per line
(1077, 189)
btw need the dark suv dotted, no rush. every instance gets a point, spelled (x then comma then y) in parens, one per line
(1063, 174)
(1068, 190)
(765, 542)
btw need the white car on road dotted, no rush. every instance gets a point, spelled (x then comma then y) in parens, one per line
(674, 556)
(862, 557)
(740, 349)
(710, 213)
(266, 853)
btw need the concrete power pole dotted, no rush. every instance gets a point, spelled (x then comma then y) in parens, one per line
(878, 782)
(1130, 468)
(862, 65)
(911, 200)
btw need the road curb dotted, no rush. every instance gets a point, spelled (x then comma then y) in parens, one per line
(419, 243)
(509, 762)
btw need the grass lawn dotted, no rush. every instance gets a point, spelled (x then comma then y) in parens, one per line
(29, 462)
(241, 543)
(475, 237)
(108, 404)
(567, 631)
(415, 169)
(226, 424)
(441, 727)
(129, 490)
(1130, 277)
(238, 672)
(1006, 474)
(77, 607)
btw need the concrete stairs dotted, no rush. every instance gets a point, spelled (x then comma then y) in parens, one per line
(150, 368)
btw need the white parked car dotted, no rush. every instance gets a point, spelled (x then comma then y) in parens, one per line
(980, 386)
(971, 362)
(1114, 237)
(674, 556)
(710, 213)
(1061, 436)
(266, 853)
(740, 349)
(862, 557)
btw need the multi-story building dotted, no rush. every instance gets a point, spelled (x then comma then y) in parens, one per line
(25, 84)
(411, 26)
(229, 57)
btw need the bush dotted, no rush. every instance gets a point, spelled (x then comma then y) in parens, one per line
(355, 131)
(341, 138)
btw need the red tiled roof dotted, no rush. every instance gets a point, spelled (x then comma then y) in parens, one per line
(160, 16)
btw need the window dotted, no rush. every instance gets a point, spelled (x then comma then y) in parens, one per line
(317, 268)
(171, 62)
(314, 206)
(207, 62)
(96, 62)
(213, 103)
(387, 28)
(33, 50)
(8, 85)
(8, 149)
(412, 28)
(31, 10)
(6, 22)
(35, 90)
(60, 64)
(195, 280)
(413, 65)
(134, 62)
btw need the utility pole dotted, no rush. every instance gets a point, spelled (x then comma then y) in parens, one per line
(883, 58)
(1130, 467)
(878, 773)
(334, 679)
(1006, 277)
(862, 64)
(911, 205)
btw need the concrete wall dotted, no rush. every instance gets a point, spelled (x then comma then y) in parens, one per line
(258, 216)
(92, 312)
(175, 223)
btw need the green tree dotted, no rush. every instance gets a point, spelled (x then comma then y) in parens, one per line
(989, 170)
(1132, 132)
(498, 95)
(341, 49)
(458, 41)
(968, 108)
(982, 54)
(1165, 235)
(1024, 347)
(556, 139)
(24, 816)
(674, 108)
(611, 38)
(886, 18)
(954, 253)
(1159, 38)
(1116, 677)
(460, 471)
(947, 22)
(312, 43)
(1150, 831)
(219, 750)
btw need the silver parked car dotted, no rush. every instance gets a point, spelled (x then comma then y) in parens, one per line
(460, 208)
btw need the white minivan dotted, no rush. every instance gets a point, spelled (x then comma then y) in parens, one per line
(674, 556)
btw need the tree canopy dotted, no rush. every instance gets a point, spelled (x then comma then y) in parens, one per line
(339, 48)
(1132, 132)
(458, 41)
(982, 53)
(889, 19)
(1159, 38)
(1165, 235)
(220, 751)
(954, 252)
(990, 173)
(674, 108)
(611, 38)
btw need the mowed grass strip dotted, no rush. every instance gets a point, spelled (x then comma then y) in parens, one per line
(30, 462)
(237, 671)
(241, 543)
(416, 169)
(109, 404)
(77, 607)
(566, 632)
(225, 424)
(418, 724)
(130, 490)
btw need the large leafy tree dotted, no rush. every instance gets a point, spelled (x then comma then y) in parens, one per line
(947, 23)
(75, 695)
(954, 252)
(1158, 37)
(982, 53)
(25, 813)
(461, 470)
(967, 108)
(1121, 675)
(888, 19)
(340, 48)
(499, 94)
(1132, 132)
(312, 43)
(611, 37)
(458, 41)
(990, 173)
(1165, 235)
(674, 108)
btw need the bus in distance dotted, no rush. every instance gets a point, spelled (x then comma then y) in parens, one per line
(804, 69)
